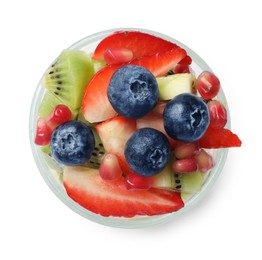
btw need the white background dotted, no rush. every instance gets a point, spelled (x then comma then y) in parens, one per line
(34, 224)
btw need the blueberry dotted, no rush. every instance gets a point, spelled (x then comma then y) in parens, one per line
(133, 91)
(147, 151)
(72, 143)
(186, 118)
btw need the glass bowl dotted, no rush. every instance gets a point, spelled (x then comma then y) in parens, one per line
(52, 172)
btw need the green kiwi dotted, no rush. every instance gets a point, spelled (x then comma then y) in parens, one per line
(48, 103)
(98, 153)
(68, 77)
(184, 182)
(189, 182)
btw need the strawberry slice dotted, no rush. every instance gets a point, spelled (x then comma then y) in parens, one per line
(219, 138)
(107, 198)
(96, 106)
(139, 43)
(114, 134)
(160, 63)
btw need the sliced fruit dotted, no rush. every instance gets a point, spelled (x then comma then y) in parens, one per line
(97, 154)
(188, 182)
(219, 138)
(165, 179)
(139, 43)
(173, 85)
(68, 77)
(160, 63)
(107, 198)
(186, 61)
(48, 103)
(114, 134)
(134, 181)
(96, 106)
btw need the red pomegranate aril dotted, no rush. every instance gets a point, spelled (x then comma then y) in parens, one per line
(110, 168)
(60, 115)
(118, 55)
(185, 165)
(204, 161)
(181, 68)
(134, 181)
(208, 85)
(186, 150)
(43, 132)
(217, 113)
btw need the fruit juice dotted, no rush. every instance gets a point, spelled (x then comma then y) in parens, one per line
(106, 160)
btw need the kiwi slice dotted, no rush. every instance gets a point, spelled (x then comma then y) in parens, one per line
(68, 77)
(48, 103)
(186, 183)
(98, 153)
(189, 182)
(173, 85)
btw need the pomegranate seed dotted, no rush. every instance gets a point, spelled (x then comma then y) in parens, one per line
(217, 113)
(204, 161)
(118, 55)
(186, 150)
(185, 165)
(181, 68)
(43, 132)
(110, 168)
(208, 85)
(134, 181)
(60, 115)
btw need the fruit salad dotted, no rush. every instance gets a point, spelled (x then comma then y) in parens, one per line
(130, 127)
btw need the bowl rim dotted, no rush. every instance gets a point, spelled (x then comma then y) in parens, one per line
(58, 189)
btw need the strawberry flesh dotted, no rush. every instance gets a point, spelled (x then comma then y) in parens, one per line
(139, 43)
(106, 198)
(219, 138)
(114, 134)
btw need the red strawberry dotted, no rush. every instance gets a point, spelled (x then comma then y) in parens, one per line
(139, 43)
(219, 138)
(186, 61)
(96, 106)
(107, 198)
(160, 63)
(114, 134)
